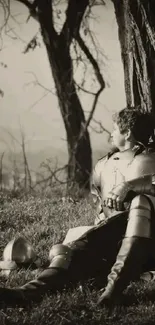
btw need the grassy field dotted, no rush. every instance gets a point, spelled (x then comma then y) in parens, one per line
(44, 220)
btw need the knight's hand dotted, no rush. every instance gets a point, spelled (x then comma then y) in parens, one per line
(116, 197)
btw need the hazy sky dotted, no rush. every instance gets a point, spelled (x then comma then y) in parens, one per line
(41, 120)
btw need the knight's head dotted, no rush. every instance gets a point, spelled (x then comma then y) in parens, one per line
(133, 126)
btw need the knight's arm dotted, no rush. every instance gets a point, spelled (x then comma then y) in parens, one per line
(143, 185)
(95, 184)
(141, 175)
(96, 191)
(96, 179)
(96, 175)
(140, 178)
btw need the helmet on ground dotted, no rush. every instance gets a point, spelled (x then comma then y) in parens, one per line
(19, 251)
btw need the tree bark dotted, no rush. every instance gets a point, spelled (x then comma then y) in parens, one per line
(140, 70)
(142, 13)
(124, 33)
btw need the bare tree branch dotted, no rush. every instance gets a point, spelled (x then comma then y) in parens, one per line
(22, 143)
(36, 82)
(32, 44)
(6, 9)
(52, 176)
(84, 90)
(37, 101)
(5, 5)
(1, 93)
(101, 127)
(91, 59)
(97, 73)
(74, 15)
(27, 3)
(32, 8)
(97, 94)
(26, 165)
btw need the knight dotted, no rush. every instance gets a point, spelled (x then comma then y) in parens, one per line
(121, 244)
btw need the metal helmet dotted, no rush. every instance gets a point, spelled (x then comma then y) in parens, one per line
(19, 250)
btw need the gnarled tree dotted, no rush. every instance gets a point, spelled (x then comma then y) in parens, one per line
(58, 46)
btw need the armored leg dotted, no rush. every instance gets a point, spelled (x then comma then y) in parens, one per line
(133, 253)
(83, 258)
(70, 263)
(54, 278)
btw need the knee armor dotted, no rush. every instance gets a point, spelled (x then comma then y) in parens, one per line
(139, 223)
(60, 256)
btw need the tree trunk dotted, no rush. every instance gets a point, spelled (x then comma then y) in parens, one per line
(124, 33)
(80, 155)
(141, 49)
(143, 28)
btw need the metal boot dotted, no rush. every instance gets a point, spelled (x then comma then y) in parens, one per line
(53, 278)
(133, 253)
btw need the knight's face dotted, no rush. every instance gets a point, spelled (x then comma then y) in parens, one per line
(117, 138)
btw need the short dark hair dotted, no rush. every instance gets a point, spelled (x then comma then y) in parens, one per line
(139, 122)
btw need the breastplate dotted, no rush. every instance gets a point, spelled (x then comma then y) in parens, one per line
(115, 171)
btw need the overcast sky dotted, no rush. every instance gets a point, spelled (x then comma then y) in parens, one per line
(41, 120)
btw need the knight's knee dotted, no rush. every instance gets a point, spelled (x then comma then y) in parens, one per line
(139, 222)
(60, 250)
(60, 256)
(140, 202)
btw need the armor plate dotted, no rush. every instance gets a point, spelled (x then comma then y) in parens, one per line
(121, 167)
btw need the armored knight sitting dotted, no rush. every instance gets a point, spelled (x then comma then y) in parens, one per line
(121, 244)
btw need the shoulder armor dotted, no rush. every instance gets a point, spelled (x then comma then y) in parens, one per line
(102, 158)
(96, 175)
(100, 163)
(143, 164)
(109, 154)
